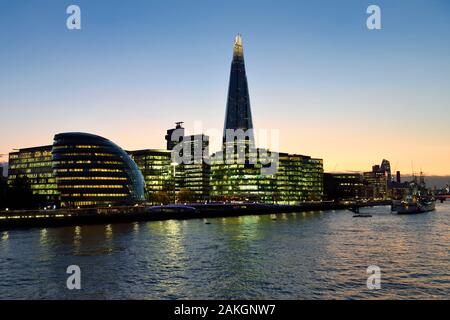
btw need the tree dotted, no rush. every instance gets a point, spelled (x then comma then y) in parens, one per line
(186, 195)
(20, 196)
(160, 197)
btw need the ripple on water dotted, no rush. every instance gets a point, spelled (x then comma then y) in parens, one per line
(295, 256)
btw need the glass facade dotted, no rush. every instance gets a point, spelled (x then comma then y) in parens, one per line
(93, 171)
(238, 113)
(298, 178)
(156, 167)
(233, 179)
(35, 166)
(195, 171)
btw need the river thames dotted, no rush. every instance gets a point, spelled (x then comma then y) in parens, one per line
(312, 255)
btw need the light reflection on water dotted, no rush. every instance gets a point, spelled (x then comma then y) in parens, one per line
(286, 256)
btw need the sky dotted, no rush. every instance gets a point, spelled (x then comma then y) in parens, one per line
(332, 88)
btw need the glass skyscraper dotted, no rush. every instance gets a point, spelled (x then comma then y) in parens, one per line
(238, 114)
(239, 176)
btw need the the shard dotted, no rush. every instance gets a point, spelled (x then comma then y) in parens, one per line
(238, 114)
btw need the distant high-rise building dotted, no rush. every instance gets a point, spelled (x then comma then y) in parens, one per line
(386, 166)
(377, 181)
(238, 114)
(398, 177)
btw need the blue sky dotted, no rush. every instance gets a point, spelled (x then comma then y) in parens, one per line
(333, 88)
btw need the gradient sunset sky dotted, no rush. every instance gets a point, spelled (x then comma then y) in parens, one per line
(334, 89)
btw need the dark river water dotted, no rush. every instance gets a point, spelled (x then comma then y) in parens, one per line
(320, 255)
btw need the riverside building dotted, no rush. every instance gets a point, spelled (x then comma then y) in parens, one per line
(343, 186)
(33, 166)
(158, 172)
(93, 171)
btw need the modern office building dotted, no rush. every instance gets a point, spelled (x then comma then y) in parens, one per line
(298, 178)
(34, 167)
(241, 180)
(196, 170)
(376, 183)
(158, 172)
(93, 171)
(343, 186)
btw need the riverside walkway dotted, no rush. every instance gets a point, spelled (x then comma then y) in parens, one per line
(66, 217)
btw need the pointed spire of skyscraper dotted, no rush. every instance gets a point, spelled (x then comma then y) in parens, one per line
(238, 51)
(238, 114)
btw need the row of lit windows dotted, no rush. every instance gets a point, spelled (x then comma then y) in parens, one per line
(91, 170)
(94, 195)
(31, 160)
(46, 192)
(69, 170)
(30, 165)
(85, 162)
(90, 186)
(76, 154)
(30, 176)
(76, 146)
(43, 186)
(25, 155)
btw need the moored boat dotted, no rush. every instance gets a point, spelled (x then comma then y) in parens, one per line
(415, 205)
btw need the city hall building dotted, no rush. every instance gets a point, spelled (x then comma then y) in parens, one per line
(93, 171)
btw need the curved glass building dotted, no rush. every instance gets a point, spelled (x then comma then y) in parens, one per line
(93, 171)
